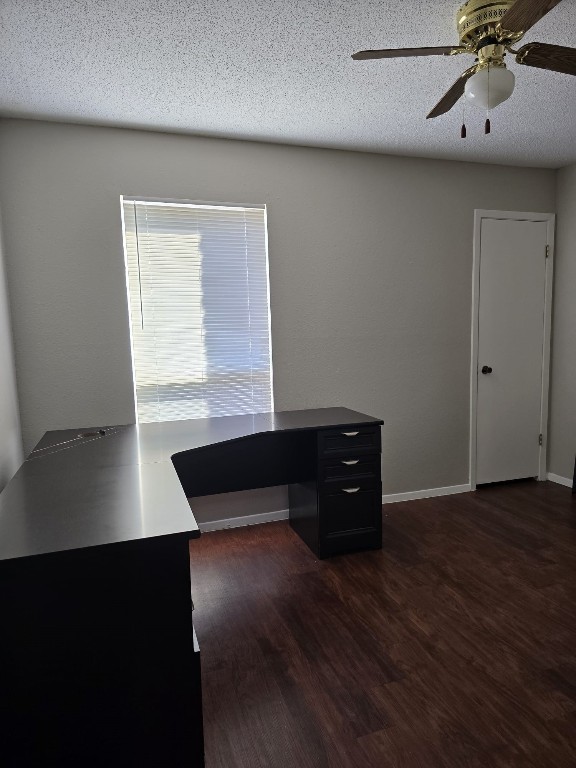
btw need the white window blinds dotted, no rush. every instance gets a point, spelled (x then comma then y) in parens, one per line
(199, 309)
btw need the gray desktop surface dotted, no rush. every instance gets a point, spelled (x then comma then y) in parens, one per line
(75, 492)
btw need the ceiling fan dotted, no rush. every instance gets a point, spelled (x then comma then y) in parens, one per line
(488, 30)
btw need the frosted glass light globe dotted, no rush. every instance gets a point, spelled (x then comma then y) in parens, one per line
(496, 82)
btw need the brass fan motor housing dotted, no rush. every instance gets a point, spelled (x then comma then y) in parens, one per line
(477, 20)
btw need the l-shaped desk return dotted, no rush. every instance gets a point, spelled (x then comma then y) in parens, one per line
(329, 458)
(100, 660)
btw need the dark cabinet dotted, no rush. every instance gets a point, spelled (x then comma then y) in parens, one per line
(342, 510)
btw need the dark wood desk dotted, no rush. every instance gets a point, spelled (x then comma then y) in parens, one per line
(329, 458)
(100, 664)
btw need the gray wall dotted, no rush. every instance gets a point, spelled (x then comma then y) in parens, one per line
(562, 440)
(370, 269)
(10, 437)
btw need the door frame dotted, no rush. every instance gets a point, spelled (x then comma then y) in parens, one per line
(549, 218)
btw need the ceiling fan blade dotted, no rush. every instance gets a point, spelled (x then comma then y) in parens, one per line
(525, 13)
(553, 57)
(452, 95)
(392, 53)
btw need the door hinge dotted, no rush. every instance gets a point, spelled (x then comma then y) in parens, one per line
(547, 251)
(540, 440)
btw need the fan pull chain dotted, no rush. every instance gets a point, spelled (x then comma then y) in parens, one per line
(487, 123)
(463, 129)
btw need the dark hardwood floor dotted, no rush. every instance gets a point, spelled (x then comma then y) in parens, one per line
(453, 646)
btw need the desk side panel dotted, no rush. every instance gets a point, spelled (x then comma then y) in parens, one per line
(304, 518)
(98, 658)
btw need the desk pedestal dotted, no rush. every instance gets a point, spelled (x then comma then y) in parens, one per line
(341, 510)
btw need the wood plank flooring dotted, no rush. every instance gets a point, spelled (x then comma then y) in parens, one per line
(453, 646)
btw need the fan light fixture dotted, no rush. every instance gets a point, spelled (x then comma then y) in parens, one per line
(487, 29)
(489, 87)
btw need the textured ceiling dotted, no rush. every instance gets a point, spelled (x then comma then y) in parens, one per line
(277, 70)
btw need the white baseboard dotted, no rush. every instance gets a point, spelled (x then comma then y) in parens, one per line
(390, 498)
(559, 479)
(241, 522)
(282, 514)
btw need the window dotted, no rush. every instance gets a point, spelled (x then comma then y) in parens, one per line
(199, 309)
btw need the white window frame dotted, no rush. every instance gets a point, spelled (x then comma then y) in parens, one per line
(160, 200)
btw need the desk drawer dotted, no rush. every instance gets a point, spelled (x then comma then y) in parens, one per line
(351, 508)
(349, 468)
(349, 440)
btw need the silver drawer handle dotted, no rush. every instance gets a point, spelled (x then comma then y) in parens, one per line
(350, 434)
(350, 462)
(351, 490)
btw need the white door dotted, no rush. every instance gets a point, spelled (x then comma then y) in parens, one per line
(511, 345)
